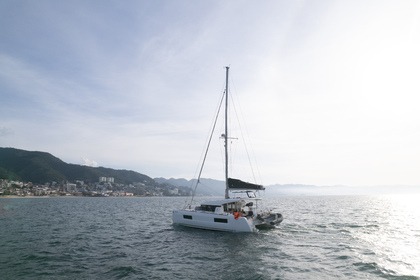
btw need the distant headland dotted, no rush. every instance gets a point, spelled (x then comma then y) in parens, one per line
(33, 173)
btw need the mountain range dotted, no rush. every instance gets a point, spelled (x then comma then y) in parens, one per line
(211, 187)
(207, 187)
(216, 188)
(42, 167)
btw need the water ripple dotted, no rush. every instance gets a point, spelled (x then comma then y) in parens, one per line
(108, 238)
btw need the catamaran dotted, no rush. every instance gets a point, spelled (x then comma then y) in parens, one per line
(233, 213)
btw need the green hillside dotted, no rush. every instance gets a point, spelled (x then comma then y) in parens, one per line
(41, 167)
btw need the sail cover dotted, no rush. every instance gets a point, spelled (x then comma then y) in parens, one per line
(241, 185)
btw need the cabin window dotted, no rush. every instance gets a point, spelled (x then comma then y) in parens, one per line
(218, 220)
(188, 217)
(232, 207)
(209, 208)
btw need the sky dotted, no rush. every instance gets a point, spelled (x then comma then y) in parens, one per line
(328, 90)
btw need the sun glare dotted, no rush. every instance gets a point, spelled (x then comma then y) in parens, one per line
(400, 217)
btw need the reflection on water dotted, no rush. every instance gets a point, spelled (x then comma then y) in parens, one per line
(352, 237)
(394, 242)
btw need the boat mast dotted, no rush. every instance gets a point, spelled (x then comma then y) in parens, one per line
(226, 133)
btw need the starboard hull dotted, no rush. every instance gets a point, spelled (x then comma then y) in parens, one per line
(212, 221)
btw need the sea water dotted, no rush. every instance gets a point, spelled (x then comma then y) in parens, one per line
(321, 237)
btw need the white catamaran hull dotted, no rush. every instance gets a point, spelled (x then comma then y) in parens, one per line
(212, 221)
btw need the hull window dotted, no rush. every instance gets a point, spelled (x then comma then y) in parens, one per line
(218, 220)
(188, 217)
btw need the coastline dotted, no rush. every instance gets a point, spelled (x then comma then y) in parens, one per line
(26, 196)
(73, 196)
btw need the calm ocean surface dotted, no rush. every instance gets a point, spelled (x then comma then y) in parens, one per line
(321, 237)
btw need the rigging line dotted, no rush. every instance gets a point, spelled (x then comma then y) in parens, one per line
(208, 146)
(203, 151)
(221, 156)
(245, 144)
(256, 165)
(232, 148)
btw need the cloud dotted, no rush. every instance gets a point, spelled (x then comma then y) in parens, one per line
(328, 90)
(5, 131)
(89, 162)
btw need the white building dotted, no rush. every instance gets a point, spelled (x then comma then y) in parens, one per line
(106, 179)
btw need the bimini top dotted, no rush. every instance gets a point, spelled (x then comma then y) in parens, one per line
(241, 185)
(221, 201)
